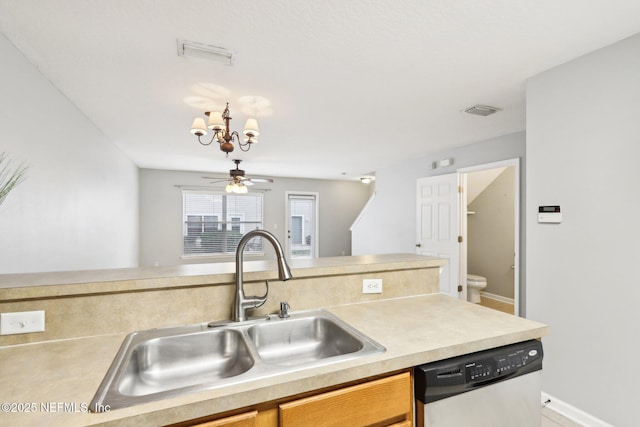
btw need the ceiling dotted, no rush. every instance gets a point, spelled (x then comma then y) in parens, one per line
(341, 88)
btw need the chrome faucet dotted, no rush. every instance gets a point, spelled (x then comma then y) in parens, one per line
(241, 302)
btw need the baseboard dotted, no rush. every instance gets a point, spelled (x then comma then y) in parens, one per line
(496, 297)
(571, 412)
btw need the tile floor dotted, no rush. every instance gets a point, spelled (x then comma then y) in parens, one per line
(553, 419)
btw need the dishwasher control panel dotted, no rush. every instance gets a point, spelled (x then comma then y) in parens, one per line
(443, 378)
(501, 364)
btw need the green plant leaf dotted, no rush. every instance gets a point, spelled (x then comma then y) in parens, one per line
(10, 177)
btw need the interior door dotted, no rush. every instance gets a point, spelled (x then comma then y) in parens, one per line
(438, 227)
(302, 225)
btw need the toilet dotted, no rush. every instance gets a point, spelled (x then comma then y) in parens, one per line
(474, 285)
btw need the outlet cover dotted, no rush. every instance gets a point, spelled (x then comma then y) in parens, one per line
(21, 322)
(372, 286)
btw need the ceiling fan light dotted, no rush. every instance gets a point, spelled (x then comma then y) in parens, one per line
(198, 127)
(215, 121)
(229, 188)
(251, 128)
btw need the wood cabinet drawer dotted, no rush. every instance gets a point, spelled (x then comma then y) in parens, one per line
(382, 402)
(247, 419)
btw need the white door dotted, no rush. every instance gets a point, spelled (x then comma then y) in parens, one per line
(302, 225)
(438, 225)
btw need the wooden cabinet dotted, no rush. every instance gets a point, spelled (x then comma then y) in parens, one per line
(247, 419)
(383, 402)
(262, 418)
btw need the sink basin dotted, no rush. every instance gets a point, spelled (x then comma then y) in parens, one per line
(167, 363)
(161, 363)
(301, 341)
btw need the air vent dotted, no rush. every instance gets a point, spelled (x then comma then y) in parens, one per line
(205, 51)
(482, 110)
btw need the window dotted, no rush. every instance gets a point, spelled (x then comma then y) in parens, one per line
(297, 229)
(199, 224)
(214, 222)
(236, 221)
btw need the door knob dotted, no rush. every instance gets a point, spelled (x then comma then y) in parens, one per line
(418, 245)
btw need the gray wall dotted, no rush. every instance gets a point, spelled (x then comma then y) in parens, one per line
(583, 127)
(78, 208)
(161, 213)
(389, 224)
(490, 234)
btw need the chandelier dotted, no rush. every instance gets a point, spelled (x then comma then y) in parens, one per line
(219, 124)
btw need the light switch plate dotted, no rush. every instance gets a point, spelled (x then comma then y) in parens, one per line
(372, 286)
(21, 322)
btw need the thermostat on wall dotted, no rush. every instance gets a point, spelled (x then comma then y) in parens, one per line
(549, 214)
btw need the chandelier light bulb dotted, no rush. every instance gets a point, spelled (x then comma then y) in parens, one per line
(215, 121)
(198, 127)
(251, 128)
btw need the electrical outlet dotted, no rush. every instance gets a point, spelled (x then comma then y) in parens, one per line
(21, 322)
(372, 286)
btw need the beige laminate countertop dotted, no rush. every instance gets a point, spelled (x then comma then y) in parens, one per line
(58, 379)
(86, 282)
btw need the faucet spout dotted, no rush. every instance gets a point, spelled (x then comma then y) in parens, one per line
(242, 302)
(284, 272)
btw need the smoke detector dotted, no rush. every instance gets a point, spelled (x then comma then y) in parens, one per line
(482, 110)
(205, 51)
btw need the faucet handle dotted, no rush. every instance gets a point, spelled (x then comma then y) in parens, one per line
(284, 310)
(256, 301)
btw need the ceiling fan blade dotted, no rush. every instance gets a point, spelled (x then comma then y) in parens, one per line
(260, 179)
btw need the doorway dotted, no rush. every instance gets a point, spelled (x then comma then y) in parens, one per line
(491, 229)
(442, 227)
(302, 225)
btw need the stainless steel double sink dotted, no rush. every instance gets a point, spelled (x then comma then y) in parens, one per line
(161, 363)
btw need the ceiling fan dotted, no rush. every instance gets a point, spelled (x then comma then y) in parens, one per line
(237, 181)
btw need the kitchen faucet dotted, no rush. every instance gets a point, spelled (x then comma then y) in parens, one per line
(241, 302)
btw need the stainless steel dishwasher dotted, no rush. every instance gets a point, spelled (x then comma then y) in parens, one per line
(499, 387)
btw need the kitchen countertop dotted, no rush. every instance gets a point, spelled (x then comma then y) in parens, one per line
(87, 282)
(56, 380)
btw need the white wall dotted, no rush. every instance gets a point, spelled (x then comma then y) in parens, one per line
(78, 207)
(161, 213)
(583, 149)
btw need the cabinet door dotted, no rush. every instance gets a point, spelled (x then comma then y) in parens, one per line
(382, 402)
(247, 419)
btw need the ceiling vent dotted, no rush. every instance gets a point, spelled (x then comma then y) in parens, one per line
(205, 51)
(482, 110)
